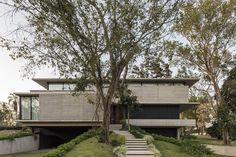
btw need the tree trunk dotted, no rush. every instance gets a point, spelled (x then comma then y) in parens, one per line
(225, 135)
(106, 122)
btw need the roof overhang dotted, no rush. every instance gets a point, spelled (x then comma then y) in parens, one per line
(186, 81)
(58, 123)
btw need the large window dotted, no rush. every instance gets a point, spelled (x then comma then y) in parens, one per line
(29, 108)
(61, 86)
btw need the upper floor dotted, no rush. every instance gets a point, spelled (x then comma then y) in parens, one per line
(57, 103)
(146, 90)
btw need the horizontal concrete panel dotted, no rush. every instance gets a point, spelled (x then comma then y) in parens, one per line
(162, 122)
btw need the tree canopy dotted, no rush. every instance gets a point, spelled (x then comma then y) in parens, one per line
(90, 40)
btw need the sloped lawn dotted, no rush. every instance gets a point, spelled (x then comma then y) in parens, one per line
(91, 148)
(27, 154)
(172, 150)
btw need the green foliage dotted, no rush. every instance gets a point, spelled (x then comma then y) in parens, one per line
(153, 149)
(148, 138)
(15, 135)
(116, 139)
(194, 148)
(120, 150)
(64, 148)
(6, 115)
(214, 131)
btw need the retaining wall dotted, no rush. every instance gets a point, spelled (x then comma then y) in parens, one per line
(22, 144)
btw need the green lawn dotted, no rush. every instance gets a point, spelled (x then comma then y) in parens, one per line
(91, 148)
(212, 141)
(28, 154)
(172, 150)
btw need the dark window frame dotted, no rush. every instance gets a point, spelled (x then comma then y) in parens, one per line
(31, 108)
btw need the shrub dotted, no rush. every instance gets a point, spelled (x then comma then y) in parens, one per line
(232, 132)
(148, 138)
(214, 130)
(188, 137)
(16, 135)
(153, 149)
(120, 151)
(64, 148)
(117, 140)
(194, 148)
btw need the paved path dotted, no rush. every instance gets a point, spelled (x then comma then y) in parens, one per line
(223, 150)
(135, 147)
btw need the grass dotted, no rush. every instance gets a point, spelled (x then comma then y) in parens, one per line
(211, 141)
(91, 148)
(27, 154)
(172, 150)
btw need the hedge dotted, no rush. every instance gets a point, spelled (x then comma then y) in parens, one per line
(16, 135)
(61, 150)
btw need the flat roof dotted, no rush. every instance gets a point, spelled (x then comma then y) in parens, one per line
(187, 81)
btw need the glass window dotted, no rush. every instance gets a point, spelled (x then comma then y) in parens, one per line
(69, 86)
(55, 86)
(35, 108)
(25, 108)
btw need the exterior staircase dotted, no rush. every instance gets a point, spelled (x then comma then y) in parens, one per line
(135, 147)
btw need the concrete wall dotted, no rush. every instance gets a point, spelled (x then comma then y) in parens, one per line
(64, 106)
(23, 144)
(151, 93)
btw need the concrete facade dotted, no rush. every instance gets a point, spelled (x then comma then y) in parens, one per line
(162, 122)
(64, 106)
(160, 92)
(23, 144)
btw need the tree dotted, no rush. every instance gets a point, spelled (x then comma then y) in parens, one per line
(208, 33)
(12, 98)
(154, 65)
(227, 111)
(90, 40)
(6, 115)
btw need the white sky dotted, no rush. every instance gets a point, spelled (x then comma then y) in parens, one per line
(11, 79)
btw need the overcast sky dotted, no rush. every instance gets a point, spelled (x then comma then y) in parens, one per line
(11, 79)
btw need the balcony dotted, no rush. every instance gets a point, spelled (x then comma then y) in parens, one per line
(162, 122)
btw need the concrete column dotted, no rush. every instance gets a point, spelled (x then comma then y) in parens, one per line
(178, 133)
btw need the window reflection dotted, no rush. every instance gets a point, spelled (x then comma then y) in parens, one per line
(61, 86)
(25, 108)
(29, 108)
(35, 108)
(55, 86)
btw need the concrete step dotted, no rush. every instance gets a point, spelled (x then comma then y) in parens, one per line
(137, 149)
(135, 144)
(115, 127)
(139, 154)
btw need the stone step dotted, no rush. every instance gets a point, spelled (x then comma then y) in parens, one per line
(137, 149)
(136, 144)
(139, 153)
(115, 127)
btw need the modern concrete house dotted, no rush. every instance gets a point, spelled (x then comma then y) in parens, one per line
(59, 115)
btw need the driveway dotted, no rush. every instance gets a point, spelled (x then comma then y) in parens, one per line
(223, 150)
